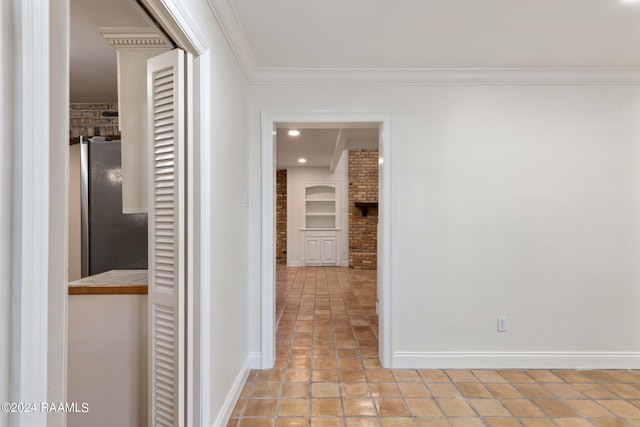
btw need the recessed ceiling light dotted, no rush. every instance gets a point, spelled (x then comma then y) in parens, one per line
(294, 132)
(302, 160)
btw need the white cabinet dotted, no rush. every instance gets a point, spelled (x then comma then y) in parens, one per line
(320, 248)
(320, 234)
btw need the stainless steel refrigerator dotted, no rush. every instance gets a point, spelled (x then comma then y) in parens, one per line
(111, 240)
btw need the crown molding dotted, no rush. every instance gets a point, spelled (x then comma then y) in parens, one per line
(446, 76)
(231, 25)
(134, 37)
(227, 16)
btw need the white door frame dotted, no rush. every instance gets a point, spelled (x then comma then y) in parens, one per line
(269, 119)
(183, 29)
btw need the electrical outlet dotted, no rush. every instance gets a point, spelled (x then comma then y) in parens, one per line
(502, 324)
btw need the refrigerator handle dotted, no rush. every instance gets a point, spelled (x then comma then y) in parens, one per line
(84, 208)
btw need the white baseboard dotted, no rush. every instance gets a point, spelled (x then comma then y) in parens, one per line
(294, 263)
(255, 360)
(516, 360)
(227, 408)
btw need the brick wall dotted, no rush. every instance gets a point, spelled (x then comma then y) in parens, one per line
(93, 120)
(363, 187)
(281, 217)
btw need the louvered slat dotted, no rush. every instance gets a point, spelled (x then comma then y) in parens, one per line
(165, 228)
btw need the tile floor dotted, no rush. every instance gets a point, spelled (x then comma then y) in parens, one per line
(327, 374)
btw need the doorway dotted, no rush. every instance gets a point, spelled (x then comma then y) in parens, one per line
(269, 126)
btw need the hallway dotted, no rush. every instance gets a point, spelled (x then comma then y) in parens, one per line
(327, 373)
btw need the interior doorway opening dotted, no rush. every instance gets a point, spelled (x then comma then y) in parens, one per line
(326, 244)
(310, 206)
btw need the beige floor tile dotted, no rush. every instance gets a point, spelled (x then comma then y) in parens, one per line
(594, 391)
(489, 376)
(233, 422)
(292, 422)
(269, 390)
(489, 407)
(362, 422)
(322, 363)
(473, 390)
(543, 376)
(455, 407)
(533, 391)
(406, 375)
(391, 407)
(600, 376)
(423, 407)
(325, 390)
(397, 422)
(571, 376)
(380, 376)
(621, 408)
(434, 375)
(573, 422)
(291, 390)
(384, 390)
(293, 408)
(443, 390)
(589, 408)
(503, 391)
(466, 422)
(271, 375)
(256, 422)
(326, 407)
(461, 376)
(538, 422)
(564, 391)
(555, 408)
(350, 390)
(609, 422)
(502, 422)
(515, 376)
(431, 422)
(413, 390)
(626, 376)
(522, 408)
(359, 408)
(625, 391)
(239, 406)
(352, 376)
(325, 375)
(327, 422)
(260, 408)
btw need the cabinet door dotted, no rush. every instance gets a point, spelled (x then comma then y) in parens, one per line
(328, 251)
(312, 250)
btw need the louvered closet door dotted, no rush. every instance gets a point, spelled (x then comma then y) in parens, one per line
(166, 116)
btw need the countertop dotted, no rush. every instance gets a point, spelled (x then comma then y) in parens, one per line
(111, 282)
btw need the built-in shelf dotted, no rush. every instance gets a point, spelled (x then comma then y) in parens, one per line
(320, 206)
(364, 206)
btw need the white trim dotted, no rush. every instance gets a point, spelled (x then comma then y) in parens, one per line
(205, 230)
(233, 30)
(516, 360)
(444, 76)
(30, 215)
(268, 119)
(232, 397)
(255, 360)
(134, 37)
(176, 20)
(295, 263)
(228, 18)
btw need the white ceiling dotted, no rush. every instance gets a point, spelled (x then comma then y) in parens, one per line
(441, 33)
(92, 62)
(317, 142)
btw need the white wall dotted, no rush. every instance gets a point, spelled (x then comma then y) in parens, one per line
(513, 200)
(228, 264)
(108, 360)
(297, 178)
(6, 154)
